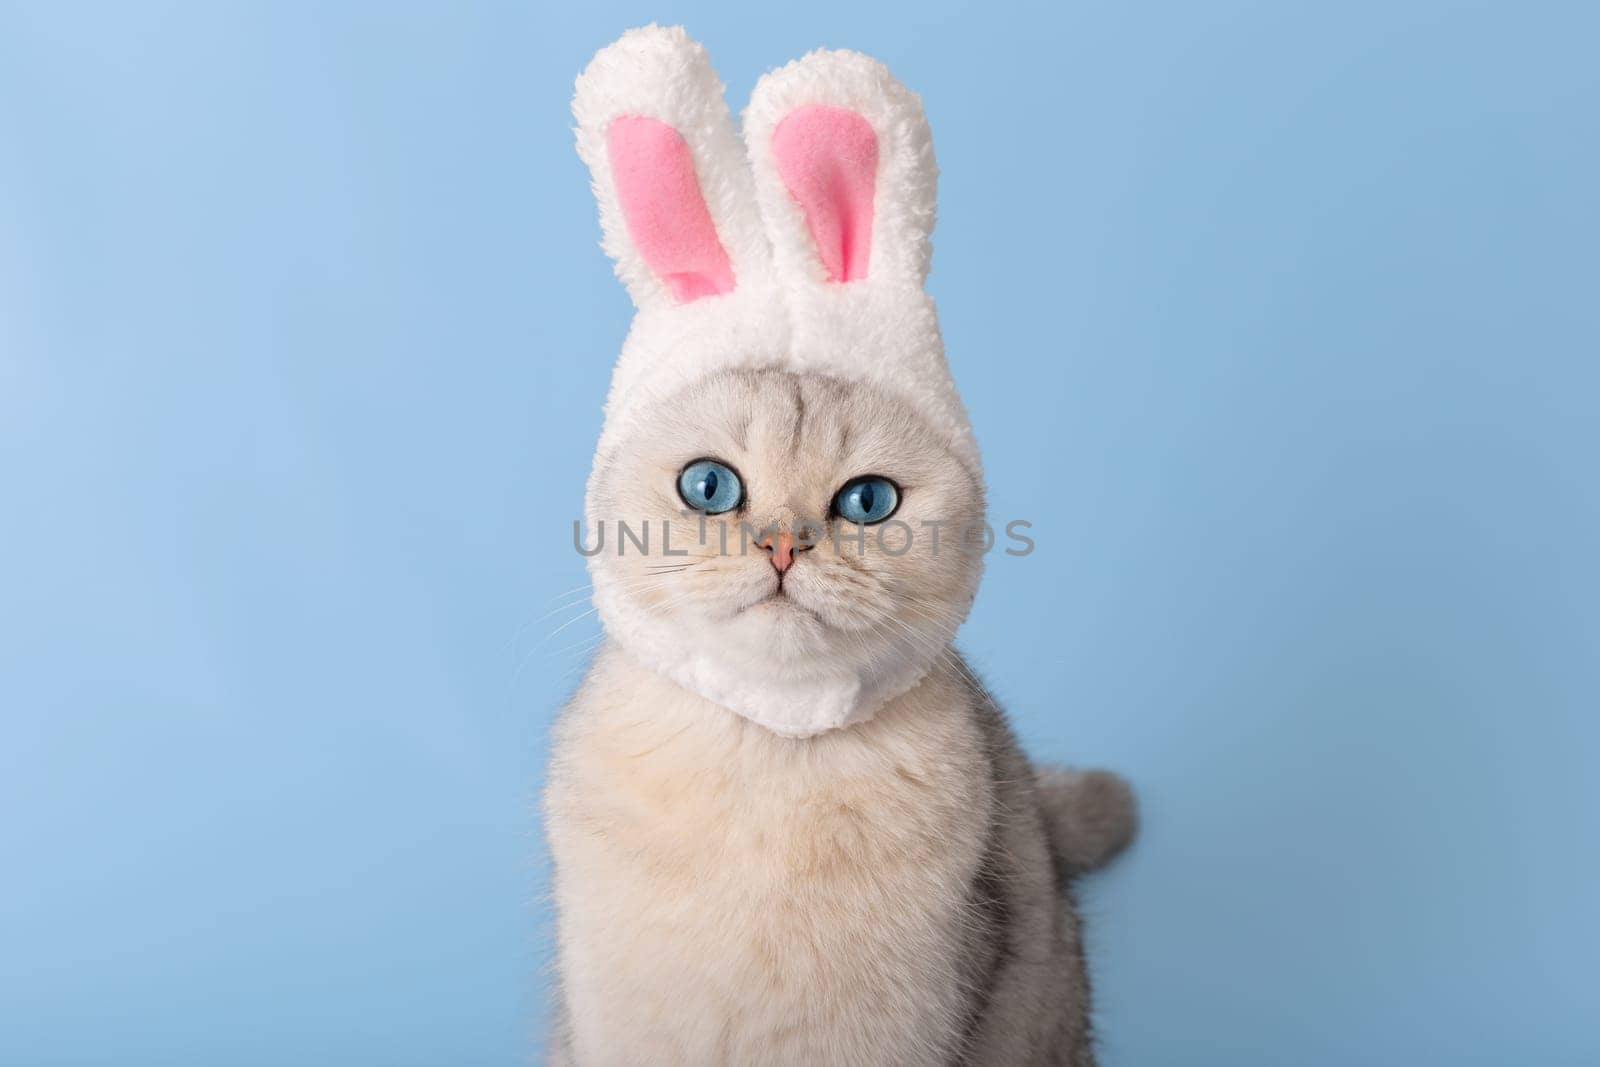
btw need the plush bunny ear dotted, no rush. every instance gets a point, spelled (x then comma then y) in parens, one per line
(676, 203)
(844, 170)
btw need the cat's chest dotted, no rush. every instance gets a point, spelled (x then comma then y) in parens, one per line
(773, 836)
(739, 886)
(663, 779)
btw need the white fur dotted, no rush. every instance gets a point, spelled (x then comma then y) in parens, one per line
(882, 329)
(734, 897)
(793, 684)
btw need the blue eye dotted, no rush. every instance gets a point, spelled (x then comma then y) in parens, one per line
(711, 487)
(867, 500)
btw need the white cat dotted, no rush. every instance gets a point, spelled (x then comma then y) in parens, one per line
(789, 826)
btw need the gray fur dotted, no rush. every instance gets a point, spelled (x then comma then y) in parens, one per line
(1031, 1002)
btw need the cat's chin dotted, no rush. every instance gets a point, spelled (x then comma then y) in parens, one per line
(782, 628)
(780, 609)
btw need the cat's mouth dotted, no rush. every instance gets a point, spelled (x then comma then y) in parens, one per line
(779, 601)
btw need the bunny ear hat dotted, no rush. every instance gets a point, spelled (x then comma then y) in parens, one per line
(802, 246)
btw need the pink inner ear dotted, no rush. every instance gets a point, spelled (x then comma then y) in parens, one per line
(828, 159)
(665, 213)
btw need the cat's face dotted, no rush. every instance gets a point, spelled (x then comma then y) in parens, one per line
(778, 449)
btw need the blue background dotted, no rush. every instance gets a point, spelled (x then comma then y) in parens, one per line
(1279, 321)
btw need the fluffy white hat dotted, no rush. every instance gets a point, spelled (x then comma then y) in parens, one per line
(804, 246)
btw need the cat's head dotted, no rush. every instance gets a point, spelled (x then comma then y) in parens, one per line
(782, 404)
(790, 522)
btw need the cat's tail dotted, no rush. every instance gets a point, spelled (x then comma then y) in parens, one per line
(1090, 816)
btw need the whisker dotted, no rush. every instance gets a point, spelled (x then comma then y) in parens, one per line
(569, 622)
(636, 585)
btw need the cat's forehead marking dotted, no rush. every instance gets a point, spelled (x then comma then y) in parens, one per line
(741, 427)
(798, 433)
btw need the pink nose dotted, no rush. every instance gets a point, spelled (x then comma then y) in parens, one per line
(782, 550)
